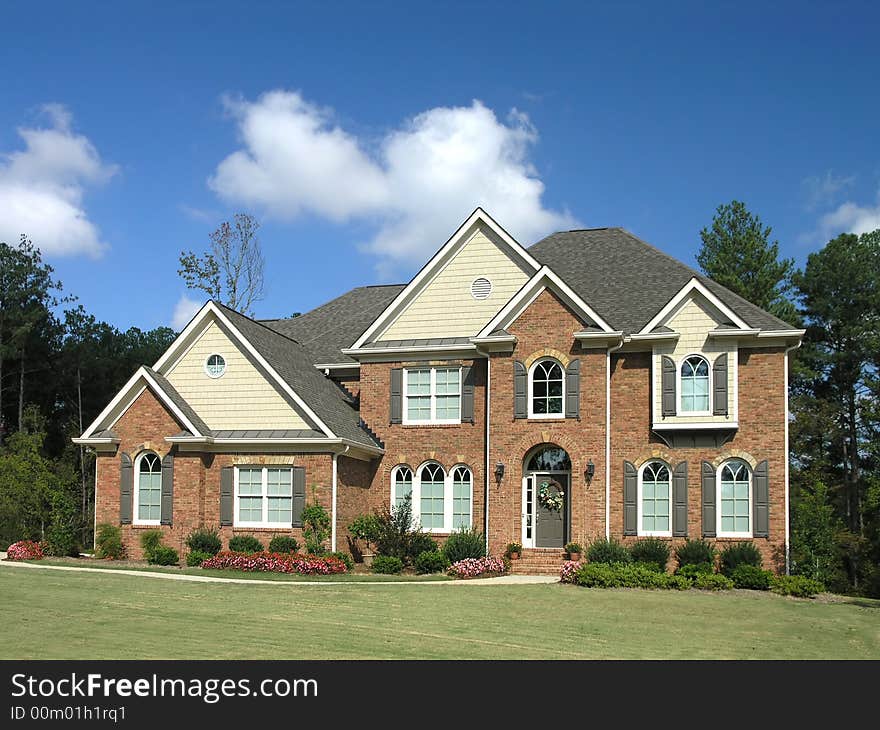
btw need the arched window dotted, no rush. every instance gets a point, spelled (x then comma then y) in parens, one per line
(546, 389)
(549, 458)
(148, 489)
(401, 484)
(432, 496)
(462, 483)
(654, 500)
(734, 499)
(695, 385)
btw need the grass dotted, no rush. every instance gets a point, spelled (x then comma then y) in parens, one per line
(51, 614)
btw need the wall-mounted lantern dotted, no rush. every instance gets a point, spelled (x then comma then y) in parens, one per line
(499, 471)
(590, 471)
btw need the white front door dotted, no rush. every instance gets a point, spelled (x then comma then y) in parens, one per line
(528, 511)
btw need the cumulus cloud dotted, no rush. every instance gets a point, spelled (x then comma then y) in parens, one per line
(184, 311)
(42, 187)
(850, 217)
(414, 185)
(824, 190)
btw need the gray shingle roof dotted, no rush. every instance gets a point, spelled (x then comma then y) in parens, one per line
(178, 400)
(628, 281)
(326, 330)
(427, 342)
(296, 367)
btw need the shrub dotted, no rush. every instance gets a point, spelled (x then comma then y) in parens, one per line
(620, 575)
(194, 558)
(477, 567)
(748, 576)
(513, 547)
(569, 569)
(712, 582)
(693, 552)
(741, 553)
(396, 535)
(678, 582)
(204, 540)
(607, 551)
(573, 547)
(316, 528)
(164, 555)
(150, 542)
(245, 544)
(366, 528)
(464, 544)
(108, 542)
(276, 563)
(692, 570)
(387, 564)
(283, 544)
(345, 558)
(62, 538)
(650, 551)
(432, 561)
(796, 585)
(24, 550)
(421, 542)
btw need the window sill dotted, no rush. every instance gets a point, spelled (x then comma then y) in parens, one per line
(694, 425)
(658, 535)
(437, 425)
(734, 536)
(263, 528)
(145, 525)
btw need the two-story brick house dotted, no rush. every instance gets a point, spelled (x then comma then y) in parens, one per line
(587, 386)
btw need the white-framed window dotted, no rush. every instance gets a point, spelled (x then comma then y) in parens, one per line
(215, 365)
(547, 389)
(432, 395)
(147, 489)
(441, 501)
(693, 379)
(655, 500)
(734, 502)
(263, 496)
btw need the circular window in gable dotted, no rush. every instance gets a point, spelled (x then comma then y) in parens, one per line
(215, 365)
(481, 288)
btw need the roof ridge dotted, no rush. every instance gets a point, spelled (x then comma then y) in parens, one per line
(261, 323)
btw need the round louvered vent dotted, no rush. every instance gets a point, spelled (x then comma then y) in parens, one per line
(481, 288)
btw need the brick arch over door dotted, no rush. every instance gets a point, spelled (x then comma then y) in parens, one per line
(528, 444)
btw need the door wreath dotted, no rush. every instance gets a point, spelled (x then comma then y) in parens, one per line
(550, 499)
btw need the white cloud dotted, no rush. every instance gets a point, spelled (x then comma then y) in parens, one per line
(184, 311)
(415, 185)
(42, 187)
(851, 218)
(824, 190)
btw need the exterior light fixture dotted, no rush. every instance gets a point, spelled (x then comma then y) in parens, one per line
(499, 471)
(590, 471)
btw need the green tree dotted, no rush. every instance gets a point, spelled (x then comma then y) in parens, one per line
(737, 252)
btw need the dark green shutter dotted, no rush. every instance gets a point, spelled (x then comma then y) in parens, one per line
(668, 386)
(467, 394)
(520, 388)
(226, 496)
(719, 389)
(680, 500)
(761, 486)
(166, 510)
(630, 497)
(708, 483)
(573, 389)
(299, 494)
(126, 485)
(396, 395)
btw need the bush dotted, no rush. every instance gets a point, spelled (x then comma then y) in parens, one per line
(283, 544)
(741, 553)
(796, 585)
(712, 582)
(432, 561)
(365, 527)
(316, 528)
(678, 583)
(345, 558)
(24, 550)
(62, 539)
(421, 542)
(204, 540)
(621, 575)
(573, 547)
(396, 536)
(569, 569)
(607, 551)
(464, 544)
(108, 542)
(194, 558)
(387, 564)
(164, 555)
(650, 551)
(151, 540)
(276, 563)
(693, 570)
(245, 544)
(477, 567)
(513, 547)
(748, 576)
(694, 552)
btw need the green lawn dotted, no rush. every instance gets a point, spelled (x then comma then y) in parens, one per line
(51, 614)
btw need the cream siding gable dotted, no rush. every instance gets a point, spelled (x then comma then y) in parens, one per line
(693, 321)
(445, 307)
(242, 398)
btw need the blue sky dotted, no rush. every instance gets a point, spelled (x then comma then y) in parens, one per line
(361, 134)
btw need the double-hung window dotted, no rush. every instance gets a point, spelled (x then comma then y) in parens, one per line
(433, 395)
(735, 499)
(263, 496)
(695, 385)
(654, 500)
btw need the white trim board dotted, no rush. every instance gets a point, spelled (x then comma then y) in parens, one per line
(693, 285)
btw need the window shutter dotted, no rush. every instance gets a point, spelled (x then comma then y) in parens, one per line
(761, 498)
(226, 496)
(299, 494)
(708, 500)
(467, 394)
(396, 395)
(630, 495)
(126, 484)
(166, 509)
(668, 387)
(520, 383)
(719, 389)
(680, 500)
(573, 390)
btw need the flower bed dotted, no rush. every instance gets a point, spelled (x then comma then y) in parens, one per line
(478, 568)
(569, 568)
(276, 563)
(24, 550)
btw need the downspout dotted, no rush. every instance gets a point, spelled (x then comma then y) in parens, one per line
(486, 469)
(336, 456)
(95, 516)
(787, 525)
(608, 437)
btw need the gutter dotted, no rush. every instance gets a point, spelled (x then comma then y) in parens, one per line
(608, 436)
(486, 465)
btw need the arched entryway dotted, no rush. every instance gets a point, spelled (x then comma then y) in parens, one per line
(545, 497)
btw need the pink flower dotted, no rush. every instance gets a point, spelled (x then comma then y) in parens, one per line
(24, 550)
(276, 563)
(475, 567)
